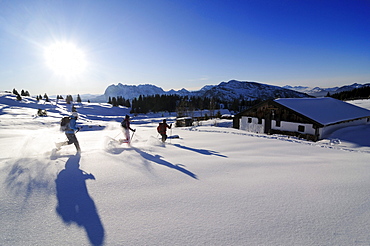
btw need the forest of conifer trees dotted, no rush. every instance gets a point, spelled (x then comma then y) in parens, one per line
(179, 104)
(358, 93)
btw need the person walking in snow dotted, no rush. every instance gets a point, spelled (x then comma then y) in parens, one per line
(70, 131)
(162, 129)
(126, 129)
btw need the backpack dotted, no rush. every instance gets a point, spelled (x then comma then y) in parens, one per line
(124, 123)
(64, 123)
(161, 128)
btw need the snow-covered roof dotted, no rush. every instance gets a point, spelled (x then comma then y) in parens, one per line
(324, 110)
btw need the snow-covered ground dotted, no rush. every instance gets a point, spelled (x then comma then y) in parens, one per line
(214, 185)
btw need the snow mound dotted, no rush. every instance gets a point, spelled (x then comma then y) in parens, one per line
(153, 141)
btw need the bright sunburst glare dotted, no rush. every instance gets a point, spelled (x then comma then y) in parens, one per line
(65, 59)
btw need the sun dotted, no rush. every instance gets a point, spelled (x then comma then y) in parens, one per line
(65, 59)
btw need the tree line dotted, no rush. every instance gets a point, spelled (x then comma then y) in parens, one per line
(69, 99)
(24, 93)
(180, 104)
(357, 93)
(27, 94)
(119, 101)
(20, 95)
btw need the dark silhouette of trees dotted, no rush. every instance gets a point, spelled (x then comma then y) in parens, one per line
(114, 102)
(358, 93)
(119, 101)
(183, 105)
(69, 99)
(25, 93)
(46, 98)
(154, 103)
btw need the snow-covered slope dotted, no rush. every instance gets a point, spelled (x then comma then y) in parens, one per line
(212, 186)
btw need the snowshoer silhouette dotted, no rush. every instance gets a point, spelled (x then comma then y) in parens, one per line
(162, 129)
(70, 131)
(126, 129)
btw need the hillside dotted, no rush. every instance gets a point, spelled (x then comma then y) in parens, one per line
(248, 189)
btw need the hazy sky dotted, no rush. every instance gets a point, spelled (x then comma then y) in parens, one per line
(181, 43)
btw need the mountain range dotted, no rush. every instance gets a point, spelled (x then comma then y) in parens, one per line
(225, 91)
(320, 92)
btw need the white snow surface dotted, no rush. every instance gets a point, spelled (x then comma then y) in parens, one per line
(325, 110)
(214, 185)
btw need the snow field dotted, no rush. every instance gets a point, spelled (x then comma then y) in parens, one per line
(212, 186)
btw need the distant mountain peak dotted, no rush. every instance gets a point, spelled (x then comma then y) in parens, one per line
(225, 91)
(320, 92)
(228, 91)
(236, 90)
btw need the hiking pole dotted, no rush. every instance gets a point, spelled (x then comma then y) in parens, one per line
(133, 133)
(171, 134)
(117, 135)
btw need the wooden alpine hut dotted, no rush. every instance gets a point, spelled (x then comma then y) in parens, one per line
(309, 118)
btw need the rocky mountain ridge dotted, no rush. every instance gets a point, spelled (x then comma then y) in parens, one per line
(226, 91)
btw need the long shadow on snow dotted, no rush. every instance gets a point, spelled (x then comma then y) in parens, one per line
(75, 203)
(200, 151)
(27, 175)
(157, 159)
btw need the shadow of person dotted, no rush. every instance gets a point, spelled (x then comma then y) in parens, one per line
(74, 202)
(157, 159)
(200, 151)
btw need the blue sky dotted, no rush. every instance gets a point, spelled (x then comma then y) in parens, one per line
(178, 44)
